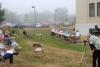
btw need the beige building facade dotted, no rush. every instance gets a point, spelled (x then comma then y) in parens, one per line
(87, 14)
(87, 11)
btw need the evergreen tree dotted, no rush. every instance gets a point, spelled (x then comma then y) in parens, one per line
(2, 14)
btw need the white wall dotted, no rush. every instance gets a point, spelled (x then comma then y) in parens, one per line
(84, 28)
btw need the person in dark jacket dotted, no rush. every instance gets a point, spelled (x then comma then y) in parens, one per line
(7, 40)
(97, 31)
(25, 33)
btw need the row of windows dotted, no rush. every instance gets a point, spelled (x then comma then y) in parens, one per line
(92, 9)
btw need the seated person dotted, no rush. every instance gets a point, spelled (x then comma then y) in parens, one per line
(9, 55)
(67, 34)
(2, 46)
(60, 33)
(7, 40)
(77, 36)
(6, 54)
(53, 32)
(15, 45)
(6, 32)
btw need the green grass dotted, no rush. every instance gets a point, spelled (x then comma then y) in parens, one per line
(26, 56)
(48, 40)
(54, 41)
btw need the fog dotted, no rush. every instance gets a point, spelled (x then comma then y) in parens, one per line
(25, 6)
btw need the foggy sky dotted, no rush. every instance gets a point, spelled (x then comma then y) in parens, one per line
(25, 6)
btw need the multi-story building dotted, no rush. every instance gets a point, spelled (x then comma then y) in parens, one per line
(87, 13)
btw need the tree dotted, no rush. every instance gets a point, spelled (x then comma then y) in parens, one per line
(12, 17)
(2, 14)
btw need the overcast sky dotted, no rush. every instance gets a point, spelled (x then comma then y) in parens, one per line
(24, 6)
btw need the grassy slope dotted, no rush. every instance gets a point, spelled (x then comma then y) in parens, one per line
(58, 52)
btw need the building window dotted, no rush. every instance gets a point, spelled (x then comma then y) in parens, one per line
(91, 10)
(98, 9)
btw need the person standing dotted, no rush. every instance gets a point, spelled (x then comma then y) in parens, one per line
(97, 31)
(25, 33)
(94, 42)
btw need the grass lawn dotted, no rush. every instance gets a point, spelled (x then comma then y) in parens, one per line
(58, 53)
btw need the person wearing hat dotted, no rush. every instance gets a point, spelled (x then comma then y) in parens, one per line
(6, 32)
(94, 42)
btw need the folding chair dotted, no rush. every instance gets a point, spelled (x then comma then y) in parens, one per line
(38, 50)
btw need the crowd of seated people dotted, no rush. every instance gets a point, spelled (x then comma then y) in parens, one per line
(69, 36)
(8, 46)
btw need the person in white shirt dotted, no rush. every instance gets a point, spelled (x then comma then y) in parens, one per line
(6, 54)
(9, 55)
(9, 52)
(2, 47)
(77, 36)
(94, 42)
(53, 30)
(14, 45)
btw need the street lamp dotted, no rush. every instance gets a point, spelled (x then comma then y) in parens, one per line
(1, 4)
(34, 15)
(55, 18)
